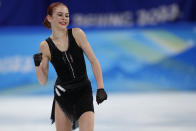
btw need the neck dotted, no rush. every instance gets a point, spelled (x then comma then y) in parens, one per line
(58, 34)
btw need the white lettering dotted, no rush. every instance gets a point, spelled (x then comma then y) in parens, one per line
(16, 64)
(103, 20)
(143, 17)
(157, 15)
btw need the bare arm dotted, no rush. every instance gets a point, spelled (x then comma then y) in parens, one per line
(82, 41)
(42, 69)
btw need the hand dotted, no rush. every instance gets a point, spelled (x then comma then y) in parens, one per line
(37, 59)
(101, 96)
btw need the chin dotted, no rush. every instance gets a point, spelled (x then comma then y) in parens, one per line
(62, 26)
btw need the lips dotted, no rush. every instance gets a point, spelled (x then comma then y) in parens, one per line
(63, 23)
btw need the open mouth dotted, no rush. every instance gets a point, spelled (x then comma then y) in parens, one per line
(62, 23)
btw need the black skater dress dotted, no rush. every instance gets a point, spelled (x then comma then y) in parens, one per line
(72, 89)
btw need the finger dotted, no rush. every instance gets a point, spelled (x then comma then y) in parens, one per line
(100, 101)
(40, 55)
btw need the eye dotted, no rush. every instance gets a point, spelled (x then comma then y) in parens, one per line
(67, 16)
(59, 14)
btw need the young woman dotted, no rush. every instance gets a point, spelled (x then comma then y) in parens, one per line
(73, 100)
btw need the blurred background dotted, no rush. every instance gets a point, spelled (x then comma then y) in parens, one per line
(147, 51)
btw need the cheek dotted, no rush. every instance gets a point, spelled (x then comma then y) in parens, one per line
(57, 20)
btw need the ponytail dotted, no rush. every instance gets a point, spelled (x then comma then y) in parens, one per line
(47, 23)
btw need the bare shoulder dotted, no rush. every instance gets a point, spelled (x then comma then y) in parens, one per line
(43, 46)
(79, 35)
(77, 31)
(44, 49)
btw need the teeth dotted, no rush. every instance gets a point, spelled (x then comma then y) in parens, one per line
(62, 23)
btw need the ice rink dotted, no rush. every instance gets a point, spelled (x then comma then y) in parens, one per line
(146, 50)
(168, 111)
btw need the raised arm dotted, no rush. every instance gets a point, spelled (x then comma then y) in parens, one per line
(42, 69)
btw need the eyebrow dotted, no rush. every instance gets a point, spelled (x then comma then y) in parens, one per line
(62, 12)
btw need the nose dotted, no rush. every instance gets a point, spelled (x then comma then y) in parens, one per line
(63, 17)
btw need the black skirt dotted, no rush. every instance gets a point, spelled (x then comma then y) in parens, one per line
(74, 100)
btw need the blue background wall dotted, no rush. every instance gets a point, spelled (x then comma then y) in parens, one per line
(141, 45)
(32, 12)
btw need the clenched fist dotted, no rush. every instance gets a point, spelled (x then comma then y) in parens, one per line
(37, 59)
(101, 96)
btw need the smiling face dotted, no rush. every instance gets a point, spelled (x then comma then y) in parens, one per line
(59, 18)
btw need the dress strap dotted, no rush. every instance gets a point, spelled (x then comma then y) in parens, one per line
(51, 47)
